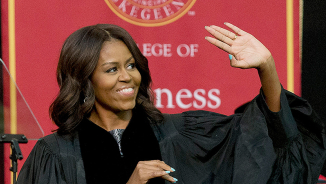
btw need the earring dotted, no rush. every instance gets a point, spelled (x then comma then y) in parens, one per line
(85, 99)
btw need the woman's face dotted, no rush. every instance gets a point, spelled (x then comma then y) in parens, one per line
(116, 79)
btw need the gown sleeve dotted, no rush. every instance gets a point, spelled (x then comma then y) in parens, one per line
(42, 166)
(256, 146)
(54, 160)
(298, 136)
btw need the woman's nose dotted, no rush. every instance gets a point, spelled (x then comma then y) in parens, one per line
(124, 76)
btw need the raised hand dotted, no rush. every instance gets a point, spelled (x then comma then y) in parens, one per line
(146, 170)
(246, 50)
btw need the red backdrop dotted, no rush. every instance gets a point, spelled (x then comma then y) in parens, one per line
(188, 72)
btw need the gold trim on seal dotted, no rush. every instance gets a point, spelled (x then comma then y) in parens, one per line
(149, 23)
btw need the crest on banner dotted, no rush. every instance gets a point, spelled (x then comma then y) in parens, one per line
(150, 13)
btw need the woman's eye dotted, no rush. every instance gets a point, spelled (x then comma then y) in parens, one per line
(131, 66)
(111, 70)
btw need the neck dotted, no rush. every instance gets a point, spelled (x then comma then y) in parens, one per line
(110, 120)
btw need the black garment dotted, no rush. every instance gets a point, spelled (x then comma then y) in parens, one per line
(257, 146)
(101, 155)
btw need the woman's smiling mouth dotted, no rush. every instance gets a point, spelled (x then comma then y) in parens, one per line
(126, 91)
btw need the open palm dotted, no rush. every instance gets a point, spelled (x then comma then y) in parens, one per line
(248, 52)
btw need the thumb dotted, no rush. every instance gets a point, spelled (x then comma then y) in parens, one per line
(237, 63)
(233, 61)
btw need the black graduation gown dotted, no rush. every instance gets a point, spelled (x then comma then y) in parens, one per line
(101, 155)
(256, 146)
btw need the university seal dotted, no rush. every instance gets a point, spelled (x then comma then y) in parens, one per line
(150, 13)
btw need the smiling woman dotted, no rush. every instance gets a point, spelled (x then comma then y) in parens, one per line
(116, 82)
(109, 130)
(82, 58)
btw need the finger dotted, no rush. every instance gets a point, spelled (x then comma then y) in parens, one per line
(147, 174)
(162, 174)
(232, 60)
(169, 178)
(236, 63)
(158, 164)
(222, 34)
(219, 44)
(235, 29)
(152, 167)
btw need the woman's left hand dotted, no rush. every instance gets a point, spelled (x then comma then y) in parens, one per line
(246, 50)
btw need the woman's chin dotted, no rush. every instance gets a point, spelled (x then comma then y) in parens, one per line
(127, 106)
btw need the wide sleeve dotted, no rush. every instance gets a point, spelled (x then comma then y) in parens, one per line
(298, 136)
(42, 166)
(199, 145)
(255, 146)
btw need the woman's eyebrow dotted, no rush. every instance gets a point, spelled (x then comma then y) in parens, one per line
(128, 60)
(116, 63)
(110, 63)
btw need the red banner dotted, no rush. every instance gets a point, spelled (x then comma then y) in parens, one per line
(188, 72)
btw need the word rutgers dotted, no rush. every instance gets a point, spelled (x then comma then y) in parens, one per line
(186, 99)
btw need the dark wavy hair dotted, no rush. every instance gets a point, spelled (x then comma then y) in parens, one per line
(78, 59)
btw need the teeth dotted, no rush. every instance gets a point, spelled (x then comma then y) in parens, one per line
(126, 90)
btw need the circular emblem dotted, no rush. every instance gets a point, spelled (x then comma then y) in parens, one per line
(150, 13)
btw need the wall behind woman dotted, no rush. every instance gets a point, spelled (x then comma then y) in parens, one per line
(313, 57)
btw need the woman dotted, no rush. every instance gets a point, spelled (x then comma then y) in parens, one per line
(110, 131)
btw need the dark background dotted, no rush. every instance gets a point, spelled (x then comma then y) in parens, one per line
(313, 57)
(313, 67)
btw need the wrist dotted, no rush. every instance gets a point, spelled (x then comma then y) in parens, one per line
(267, 65)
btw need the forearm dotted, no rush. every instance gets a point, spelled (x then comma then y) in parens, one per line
(270, 84)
